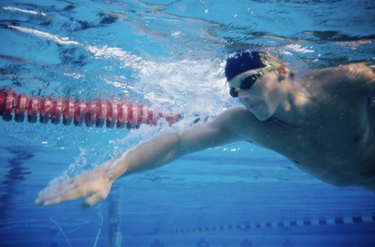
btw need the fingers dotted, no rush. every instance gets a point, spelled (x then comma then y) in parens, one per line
(94, 184)
(51, 199)
(95, 198)
(55, 197)
(67, 190)
(49, 202)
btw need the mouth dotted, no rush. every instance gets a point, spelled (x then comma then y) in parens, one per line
(252, 106)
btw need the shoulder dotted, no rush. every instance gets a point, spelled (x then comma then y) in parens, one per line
(239, 122)
(348, 78)
(352, 71)
(234, 116)
(358, 71)
(358, 78)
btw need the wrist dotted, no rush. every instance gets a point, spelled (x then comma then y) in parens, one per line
(114, 169)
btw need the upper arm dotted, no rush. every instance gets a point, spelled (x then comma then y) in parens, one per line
(218, 132)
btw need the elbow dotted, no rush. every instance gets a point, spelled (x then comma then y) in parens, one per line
(178, 147)
(172, 148)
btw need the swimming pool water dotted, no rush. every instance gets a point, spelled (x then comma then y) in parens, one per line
(169, 55)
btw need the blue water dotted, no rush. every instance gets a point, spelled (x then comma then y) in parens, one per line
(169, 55)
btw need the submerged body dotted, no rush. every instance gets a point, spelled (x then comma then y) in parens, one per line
(331, 135)
(322, 120)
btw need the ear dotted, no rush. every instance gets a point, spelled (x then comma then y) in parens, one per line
(282, 72)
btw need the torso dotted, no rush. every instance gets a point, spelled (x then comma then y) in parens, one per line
(334, 141)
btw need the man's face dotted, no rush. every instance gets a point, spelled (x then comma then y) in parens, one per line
(261, 97)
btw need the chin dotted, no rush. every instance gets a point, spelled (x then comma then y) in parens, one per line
(260, 114)
(263, 118)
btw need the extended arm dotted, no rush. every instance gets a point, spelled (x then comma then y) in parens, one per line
(160, 150)
(165, 148)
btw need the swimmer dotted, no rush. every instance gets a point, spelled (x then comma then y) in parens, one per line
(322, 120)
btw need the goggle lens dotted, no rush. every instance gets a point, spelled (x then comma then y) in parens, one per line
(247, 83)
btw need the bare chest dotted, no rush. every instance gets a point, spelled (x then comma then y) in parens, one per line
(334, 143)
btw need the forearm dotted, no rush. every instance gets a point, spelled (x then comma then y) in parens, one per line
(165, 148)
(147, 155)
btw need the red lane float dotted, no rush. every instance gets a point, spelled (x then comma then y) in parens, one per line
(97, 113)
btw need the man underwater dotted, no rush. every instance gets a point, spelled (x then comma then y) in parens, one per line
(322, 120)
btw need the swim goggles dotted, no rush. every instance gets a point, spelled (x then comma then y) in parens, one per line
(249, 81)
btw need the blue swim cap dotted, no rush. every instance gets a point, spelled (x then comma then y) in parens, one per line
(243, 61)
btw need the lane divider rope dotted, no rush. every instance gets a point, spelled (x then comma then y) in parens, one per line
(243, 226)
(93, 113)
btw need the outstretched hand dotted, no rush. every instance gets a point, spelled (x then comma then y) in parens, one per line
(94, 185)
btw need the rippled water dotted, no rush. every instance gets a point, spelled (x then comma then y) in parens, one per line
(170, 55)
